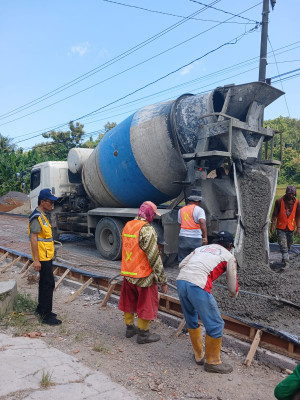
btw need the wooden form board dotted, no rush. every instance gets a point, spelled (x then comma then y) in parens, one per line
(253, 348)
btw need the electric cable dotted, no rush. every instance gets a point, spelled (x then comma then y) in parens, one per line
(226, 12)
(103, 66)
(165, 13)
(285, 99)
(113, 76)
(231, 42)
(283, 49)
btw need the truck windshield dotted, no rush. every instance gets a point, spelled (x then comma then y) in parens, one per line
(35, 179)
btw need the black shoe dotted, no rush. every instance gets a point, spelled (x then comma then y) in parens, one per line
(146, 337)
(131, 330)
(51, 314)
(51, 321)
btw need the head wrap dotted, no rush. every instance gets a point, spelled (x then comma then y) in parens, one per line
(291, 189)
(146, 212)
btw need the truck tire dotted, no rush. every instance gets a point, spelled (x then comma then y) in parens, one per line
(108, 238)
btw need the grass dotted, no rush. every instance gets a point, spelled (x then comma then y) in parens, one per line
(100, 349)
(25, 304)
(46, 379)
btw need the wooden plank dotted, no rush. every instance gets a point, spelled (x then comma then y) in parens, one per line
(62, 278)
(24, 267)
(291, 347)
(253, 348)
(27, 271)
(108, 294)
(180, 327)
(80, 290)
(11, 264)
(4, 256)
(55, 271)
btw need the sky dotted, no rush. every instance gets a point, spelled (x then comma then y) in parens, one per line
(96, 61)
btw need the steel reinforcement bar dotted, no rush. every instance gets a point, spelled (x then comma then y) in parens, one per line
(273, 340)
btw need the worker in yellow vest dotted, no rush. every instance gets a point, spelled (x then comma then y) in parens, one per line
(287, 214)
(42, 249)
(193, 232)
(143, 270)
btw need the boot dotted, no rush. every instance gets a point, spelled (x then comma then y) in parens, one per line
(131, 330)
(213, 361)
(196, 339)
(146, 337)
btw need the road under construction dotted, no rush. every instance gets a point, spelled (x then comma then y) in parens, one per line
(266, 314)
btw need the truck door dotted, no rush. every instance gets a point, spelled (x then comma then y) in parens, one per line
(35, 187)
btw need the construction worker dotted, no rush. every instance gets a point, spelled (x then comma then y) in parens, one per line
(194, 283)
(42, 249)
(193, 232)
(142, 269)
(287, 214)
(289, 388)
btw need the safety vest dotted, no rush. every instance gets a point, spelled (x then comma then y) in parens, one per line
(134, 260)
(283, 221)
(187, 219)
(45, 240)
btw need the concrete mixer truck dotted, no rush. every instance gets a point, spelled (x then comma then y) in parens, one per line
(209, 144)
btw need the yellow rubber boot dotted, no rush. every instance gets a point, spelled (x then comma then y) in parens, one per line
(213, 360)
(144, 336)
(131, 329)
(196, 339)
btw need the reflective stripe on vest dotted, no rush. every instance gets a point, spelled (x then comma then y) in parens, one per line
(187, 219)
(134, 260)
(283, 221)
(45, 239)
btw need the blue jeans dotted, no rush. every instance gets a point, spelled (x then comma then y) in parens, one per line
(197, 302)
(186, 245)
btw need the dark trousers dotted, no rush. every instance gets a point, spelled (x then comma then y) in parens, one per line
(46, 287)
(285, 240)
(186, 245)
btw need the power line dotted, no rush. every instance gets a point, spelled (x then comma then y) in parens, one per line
(250, 61)
(231, 42)
(165, 13)
(225, 12)
(113, 76)
(102, 66)
(287, 78)
(280, 79)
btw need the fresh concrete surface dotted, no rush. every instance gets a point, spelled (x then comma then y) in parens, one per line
(24, 360)
(8, 295)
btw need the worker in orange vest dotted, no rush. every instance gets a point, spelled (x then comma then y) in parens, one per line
(142, 269)
(287, 214)
(193, 232)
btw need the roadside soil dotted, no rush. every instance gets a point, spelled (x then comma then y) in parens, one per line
(162, 370)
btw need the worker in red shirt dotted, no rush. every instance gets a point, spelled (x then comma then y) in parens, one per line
(287, 214)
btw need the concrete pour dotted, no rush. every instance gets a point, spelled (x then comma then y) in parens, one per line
(255, 274)
(24, 360)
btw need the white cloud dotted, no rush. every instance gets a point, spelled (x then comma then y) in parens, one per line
(186, 70)
(81, 49)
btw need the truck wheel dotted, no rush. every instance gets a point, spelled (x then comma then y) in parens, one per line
(108, 238)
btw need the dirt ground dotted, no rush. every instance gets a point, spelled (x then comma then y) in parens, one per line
(161, 370)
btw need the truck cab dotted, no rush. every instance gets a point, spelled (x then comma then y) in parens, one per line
(54, 175)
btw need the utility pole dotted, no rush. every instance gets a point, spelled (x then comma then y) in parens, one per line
(264, 42)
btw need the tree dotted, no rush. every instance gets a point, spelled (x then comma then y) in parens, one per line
(91, 144)
(290, 128)
(6, 144)
(61, 143)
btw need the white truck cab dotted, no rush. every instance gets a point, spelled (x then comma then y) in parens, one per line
(53, 175)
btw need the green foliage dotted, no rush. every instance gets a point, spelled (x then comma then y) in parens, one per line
(15, 169)
(290, 168)
(62, 142)
(91, 144)
(25, 303)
